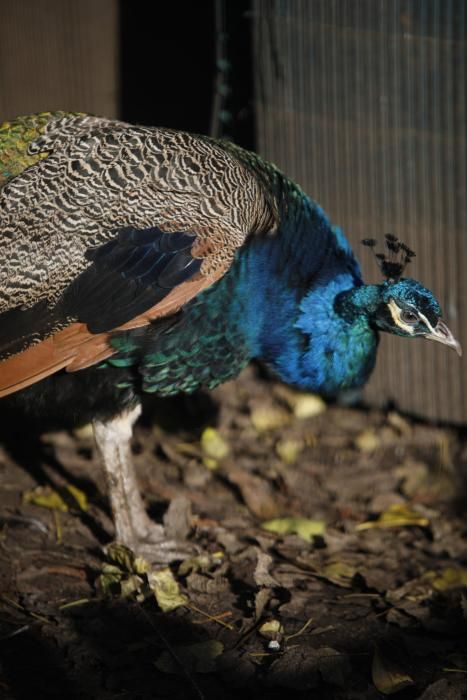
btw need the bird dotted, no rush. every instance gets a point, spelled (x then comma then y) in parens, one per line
(142, 259)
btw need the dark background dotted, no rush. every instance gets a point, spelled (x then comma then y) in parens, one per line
(168, 67)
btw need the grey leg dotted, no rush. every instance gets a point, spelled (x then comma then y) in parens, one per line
(132, 525)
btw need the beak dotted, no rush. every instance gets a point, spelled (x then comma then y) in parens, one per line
(442, 334)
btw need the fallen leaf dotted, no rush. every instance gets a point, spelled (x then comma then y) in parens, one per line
(110, 579)
(308, 405)
(166, 590)
(303, 405)
(84, 432)
(271, 629)
(399, 423)
(367, 441)
(306, 669)
(213, 445)
(79, 496)
(397, 515)
(257, 493)
(194, 658)
(261, 574)
(202, 562)
(387, 676)
(45, 497)
(126, 560)
(289, 450)
(178, 518)
(447, 579)
(126, 575)
(339, 572)
(267, 416)
(305, 528)
(262, 598)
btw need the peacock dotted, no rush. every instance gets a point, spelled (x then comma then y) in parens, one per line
(138, 259)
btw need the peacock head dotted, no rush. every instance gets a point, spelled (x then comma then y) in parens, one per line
(405, 307)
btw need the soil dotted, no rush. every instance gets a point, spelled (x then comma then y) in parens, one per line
(372, 604)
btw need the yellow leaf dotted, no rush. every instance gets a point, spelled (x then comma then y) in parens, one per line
(308, 405)
(289, 450)
(79, 496)
(448, 578)
(194, 658)
(45, 497)
(387, 677)
(339, 572)
(84, 432)
(367, 441)
(124, 558)
(266, 416)
(271, 629)
(210, 463)
(397, 515)
(303, 405)
(305, 528)
(213, 445)
(166, 590)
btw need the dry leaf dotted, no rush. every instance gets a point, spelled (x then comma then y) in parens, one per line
(213, 445)
(126, 575)
(261, 574)
(271, 629)
(447, 579)
(166, 590)
(387, 677)
(289, 450)
(303, 405)
(267, 416)
(305, 528)
(45, 497)
(308, 405)
(339, 572)
(367, 441)
(123, 557)
(79, 496)
(257, 493)
(397, 515)
(84, 432)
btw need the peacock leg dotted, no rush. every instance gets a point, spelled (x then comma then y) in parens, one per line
(133, 527)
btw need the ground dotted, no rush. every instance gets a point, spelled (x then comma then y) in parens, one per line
(367, 600)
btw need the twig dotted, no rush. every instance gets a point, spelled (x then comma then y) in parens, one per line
(212, 618)
(58, 527)
(300, 631)
(20, 630)
(74, 603)
(24, 610)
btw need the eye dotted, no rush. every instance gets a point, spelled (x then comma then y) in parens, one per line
(409, 317)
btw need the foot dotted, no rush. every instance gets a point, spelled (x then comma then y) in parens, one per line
(158, 548)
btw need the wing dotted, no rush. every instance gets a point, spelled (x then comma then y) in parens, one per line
(111, 227)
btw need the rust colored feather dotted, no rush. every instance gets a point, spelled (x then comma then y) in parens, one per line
(74, 347)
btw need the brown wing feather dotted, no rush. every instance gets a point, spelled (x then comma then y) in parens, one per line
(75, 348)
(95, 177)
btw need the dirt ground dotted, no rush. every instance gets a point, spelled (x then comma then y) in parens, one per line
(368, 600)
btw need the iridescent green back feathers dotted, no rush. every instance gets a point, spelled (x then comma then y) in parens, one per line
(15, 137)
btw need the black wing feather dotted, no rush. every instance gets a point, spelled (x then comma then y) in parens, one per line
(128, 275)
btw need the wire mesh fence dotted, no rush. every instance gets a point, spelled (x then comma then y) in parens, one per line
(363, 103)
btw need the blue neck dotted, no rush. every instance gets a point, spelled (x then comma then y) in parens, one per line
(303, 307)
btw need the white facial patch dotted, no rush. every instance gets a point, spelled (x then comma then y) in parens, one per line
(426, 322)
(396, 317)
